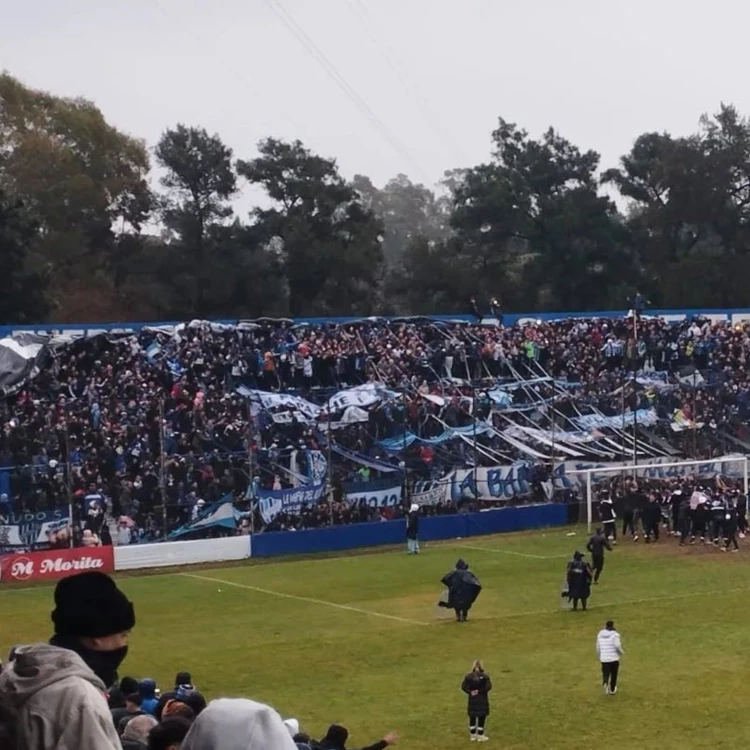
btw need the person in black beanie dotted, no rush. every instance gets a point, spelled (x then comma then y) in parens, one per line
(54, 695)
(337, 735)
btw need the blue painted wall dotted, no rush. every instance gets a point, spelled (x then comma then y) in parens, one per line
(733, 314)
(338, 538)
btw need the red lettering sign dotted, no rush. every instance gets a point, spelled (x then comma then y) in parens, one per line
(53, 564)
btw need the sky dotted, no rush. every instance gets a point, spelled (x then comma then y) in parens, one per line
(388, 86)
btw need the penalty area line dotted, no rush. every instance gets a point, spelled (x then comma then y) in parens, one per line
(508, 552)
(306, 599)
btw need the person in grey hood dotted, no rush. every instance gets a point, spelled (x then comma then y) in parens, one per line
(53, 696)
(238, 724)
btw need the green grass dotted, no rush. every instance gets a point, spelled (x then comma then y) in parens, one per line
(683, 615)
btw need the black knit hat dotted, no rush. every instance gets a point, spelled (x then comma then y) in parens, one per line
(90, 604)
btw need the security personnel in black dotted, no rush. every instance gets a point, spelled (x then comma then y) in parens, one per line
(684, 519)
(742, 513)
(730, 528)
(675, 500)
(651, 517)
(596, 546)
(718, 511)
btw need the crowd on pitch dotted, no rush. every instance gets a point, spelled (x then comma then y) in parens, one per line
(695, 510)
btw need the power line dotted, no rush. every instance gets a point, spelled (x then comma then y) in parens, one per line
(301, 35)
(201, 44)
(423, 106)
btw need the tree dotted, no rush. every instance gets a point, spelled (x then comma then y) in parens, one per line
(78, 176)
(200, 179)
(327, 241)
(689, 211)
(534, 229)
(21, 290)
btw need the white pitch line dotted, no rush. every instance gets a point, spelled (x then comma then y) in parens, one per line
(307, 599)
(674, 597)
(509, 552)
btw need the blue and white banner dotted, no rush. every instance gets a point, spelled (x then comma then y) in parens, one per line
(645, 417)
(360, 396)
(273, 502)
(265, 400)
(30, 530)
(431, 491)
(362, 460)
(317, 466)
(564, 476)
(220, 514)
(376, 498)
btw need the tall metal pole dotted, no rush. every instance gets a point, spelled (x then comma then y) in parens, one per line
(163, 470)
(69, 483)
(552, 454)
(474, 418)
(250, 468)
(695, 418)
(635, 389)
(329, 473)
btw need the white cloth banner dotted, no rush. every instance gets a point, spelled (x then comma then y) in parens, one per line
(266, 400)
(360, 396)
(375, 498)
(33, 530)
(564, 478)
(431, 492)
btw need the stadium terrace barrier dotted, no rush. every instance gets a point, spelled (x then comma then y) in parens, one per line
(337, 538)
(50, 565)
(734, 315)
(135, 556)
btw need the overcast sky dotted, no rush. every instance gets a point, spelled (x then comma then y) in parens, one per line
(426, 79)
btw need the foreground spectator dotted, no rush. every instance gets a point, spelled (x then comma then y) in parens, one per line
(169, 734)
(337, 736)
(136, 734)
(52, 696)
(238, 724)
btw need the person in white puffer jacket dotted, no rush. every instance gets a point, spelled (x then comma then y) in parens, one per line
(609, 650)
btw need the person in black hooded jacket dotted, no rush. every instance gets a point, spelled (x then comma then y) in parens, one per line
(337, 735)
(463, 590)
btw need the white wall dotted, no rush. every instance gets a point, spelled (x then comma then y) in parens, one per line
(135, 556)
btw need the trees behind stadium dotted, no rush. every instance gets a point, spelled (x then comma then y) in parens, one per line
(94, 227)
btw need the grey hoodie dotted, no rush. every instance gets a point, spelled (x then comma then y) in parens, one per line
(238, 724)
(52, 701)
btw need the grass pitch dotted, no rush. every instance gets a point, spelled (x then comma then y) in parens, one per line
(359, 640)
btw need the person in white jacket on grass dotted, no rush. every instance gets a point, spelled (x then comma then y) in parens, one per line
(609, 650)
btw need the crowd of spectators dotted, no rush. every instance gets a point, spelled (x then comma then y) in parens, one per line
(148, 428)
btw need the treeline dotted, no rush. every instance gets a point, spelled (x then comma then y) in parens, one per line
(85, 237)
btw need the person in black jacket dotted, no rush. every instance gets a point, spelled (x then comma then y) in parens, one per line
(412, 530)
(477, 685)
(579, 581)
(596, 546)
(337, 735)
(463, 590)
(730, 527)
